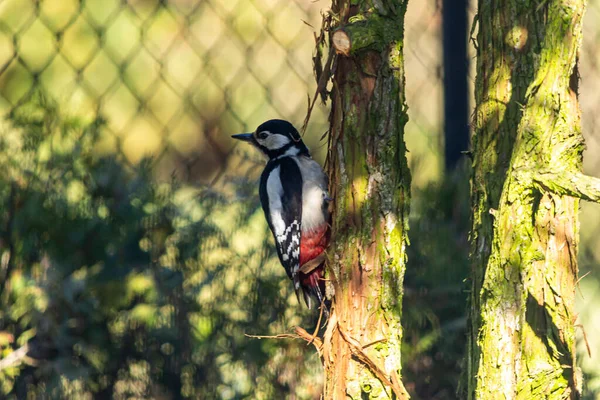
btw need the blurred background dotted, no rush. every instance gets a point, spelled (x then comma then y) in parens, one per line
(134, 257)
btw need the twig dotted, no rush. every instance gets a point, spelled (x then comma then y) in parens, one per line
(585, 339)
(280, 336)
(300, 334)
(321, 85)
(571, 184)
(374, 342)
(327, 337)
(17, 357)
(316, 341)
(323, 74)
(358, 352)
(314, 335)
(582, 276)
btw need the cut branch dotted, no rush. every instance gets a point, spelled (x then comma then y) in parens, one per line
(374, 33)
(570, 184)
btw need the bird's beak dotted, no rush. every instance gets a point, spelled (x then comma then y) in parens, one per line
(245, 137)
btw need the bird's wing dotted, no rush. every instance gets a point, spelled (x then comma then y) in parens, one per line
(281, 192)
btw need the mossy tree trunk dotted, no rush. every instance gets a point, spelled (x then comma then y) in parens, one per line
(525, 188)
(370, 183)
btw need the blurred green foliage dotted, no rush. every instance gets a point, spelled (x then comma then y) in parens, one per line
(434, 304)
(169, 76)
(119, 287)
(115, 286)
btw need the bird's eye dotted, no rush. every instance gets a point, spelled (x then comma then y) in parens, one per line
(262, 135)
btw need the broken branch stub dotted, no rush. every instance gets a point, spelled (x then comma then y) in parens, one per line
(341, 42)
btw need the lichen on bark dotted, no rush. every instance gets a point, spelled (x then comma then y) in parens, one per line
(370, 184)
(525, 235)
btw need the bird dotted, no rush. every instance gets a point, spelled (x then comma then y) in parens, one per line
(294, 195)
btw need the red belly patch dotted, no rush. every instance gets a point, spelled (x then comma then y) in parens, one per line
(312, 244)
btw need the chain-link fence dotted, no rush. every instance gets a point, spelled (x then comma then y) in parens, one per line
(174, 78)
(171, 78)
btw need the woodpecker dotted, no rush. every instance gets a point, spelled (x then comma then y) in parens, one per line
(294, 197)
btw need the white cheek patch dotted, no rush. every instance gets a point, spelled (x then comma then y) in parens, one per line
(274, 141)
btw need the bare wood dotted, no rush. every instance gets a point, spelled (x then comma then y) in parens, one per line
(368, 32)
(341, 42)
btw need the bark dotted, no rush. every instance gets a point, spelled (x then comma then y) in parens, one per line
(525, 188)
(370, 184)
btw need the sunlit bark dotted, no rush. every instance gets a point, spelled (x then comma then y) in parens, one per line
(525, 228)
(370, 183)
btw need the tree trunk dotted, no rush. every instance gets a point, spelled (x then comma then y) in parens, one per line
(527, 165)
(370, 183)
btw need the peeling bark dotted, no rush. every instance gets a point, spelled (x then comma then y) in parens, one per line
(370, 184)
(525, 229)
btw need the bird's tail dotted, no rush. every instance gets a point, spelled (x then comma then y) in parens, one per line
(298, 287)
(313, 286)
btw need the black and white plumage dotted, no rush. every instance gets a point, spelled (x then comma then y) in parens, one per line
(294, 198)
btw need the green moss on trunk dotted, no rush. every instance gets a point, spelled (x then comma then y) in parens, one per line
(370, 183)
(524, 237)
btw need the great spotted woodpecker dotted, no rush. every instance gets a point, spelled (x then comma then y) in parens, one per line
(294, 197)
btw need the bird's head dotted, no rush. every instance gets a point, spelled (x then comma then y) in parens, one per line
(275, 138)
